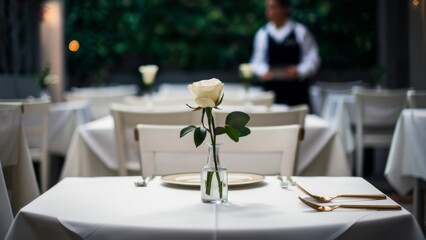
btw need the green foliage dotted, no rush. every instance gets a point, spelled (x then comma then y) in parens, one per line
(207, 34)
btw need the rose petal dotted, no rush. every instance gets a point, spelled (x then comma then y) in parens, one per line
(205, 102)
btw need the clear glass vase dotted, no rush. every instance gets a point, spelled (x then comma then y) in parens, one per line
(214, 178)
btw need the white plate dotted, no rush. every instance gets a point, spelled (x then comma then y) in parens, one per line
(193, 179)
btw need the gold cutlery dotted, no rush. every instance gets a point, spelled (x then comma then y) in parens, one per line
(328, 199)
(322, 208)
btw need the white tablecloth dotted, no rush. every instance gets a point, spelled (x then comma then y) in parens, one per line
(93, 153)
(113, 208)
(407, 156)
(15, 160)
(64, 117)
(339, 110)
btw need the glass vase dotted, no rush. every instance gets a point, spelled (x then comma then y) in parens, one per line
(214, 178)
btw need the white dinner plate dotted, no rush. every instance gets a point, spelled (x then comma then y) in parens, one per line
(193, 179)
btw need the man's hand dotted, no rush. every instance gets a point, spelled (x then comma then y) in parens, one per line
(268, 76)
(291, 72)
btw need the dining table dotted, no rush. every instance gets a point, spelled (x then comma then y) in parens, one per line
(115, 208)
(92, 151)
(406, 164)
(64, 117)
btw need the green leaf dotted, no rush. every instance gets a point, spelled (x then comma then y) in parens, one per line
(232, 133)
(187, 130)
(237, 119)
(219, 130)
(199, 135)
(244, 132)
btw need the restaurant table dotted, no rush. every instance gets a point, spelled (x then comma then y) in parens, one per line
(339, 110)
(64, 117)
(406, 164)
(93, 152)
(114, 208)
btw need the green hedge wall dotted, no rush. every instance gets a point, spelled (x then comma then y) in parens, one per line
(206, 34)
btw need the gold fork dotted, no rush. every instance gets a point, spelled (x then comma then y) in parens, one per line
(328, 199)
(330, 208)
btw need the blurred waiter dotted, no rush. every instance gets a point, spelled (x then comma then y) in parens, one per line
(285, 55)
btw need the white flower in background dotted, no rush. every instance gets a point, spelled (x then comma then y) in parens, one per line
(148, 73)
(246, 70)
(207, 93)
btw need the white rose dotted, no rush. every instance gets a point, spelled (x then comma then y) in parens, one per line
(206, 93)
(148, 73)
(246, 70)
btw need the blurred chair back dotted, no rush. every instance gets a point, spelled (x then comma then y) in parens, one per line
(255, 98)
(101, 98)
(292, 115)
(377, 112)
(267, 150)
(127, 117)
(321, 89)
(416, 98)
(160, 100)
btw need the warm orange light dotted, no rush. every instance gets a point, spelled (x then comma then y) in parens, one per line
(415, 3)
(73, 46)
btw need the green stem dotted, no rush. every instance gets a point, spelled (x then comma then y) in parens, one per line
(213, 139)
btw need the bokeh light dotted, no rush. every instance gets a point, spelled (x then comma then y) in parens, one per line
(73, 46)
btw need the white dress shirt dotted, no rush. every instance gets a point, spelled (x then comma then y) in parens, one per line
(310, 60)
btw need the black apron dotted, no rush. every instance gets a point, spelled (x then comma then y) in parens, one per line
(281, 54)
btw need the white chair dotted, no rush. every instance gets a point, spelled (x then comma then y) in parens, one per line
(321, 89)
(267, 150)
(35, 120)
(377, 112)
(101, 98)
(160, 100)
(255, 98)
(292, 115)
(416, 98)
(127, 117)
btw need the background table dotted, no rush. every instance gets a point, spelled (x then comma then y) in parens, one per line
(93, 153)
(113, 208)
(64, 117)
(406, 165)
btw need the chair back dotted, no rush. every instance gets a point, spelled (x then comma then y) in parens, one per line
(127, 117)
(160, 100)
(101, 98)
(378, 107)
(377, 112)
(267, 150)
(289, 116)
(256, 98)
(321, 89)
(416, 98)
